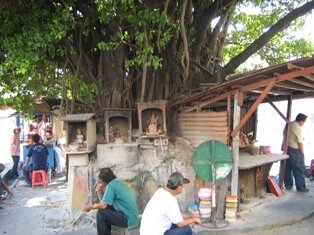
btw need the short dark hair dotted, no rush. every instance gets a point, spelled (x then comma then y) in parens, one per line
(300, 117)
(36, 138)
(15, 129)
(106, 175)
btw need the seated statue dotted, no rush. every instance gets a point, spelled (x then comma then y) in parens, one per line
(153, 124)
(153, 127)
(79, 137)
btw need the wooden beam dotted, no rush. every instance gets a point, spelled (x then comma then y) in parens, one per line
(291, 66)
(253, 108)
(309, 77)
(207, 102)
(293, 87)
(203, 68)
(280, 78)
(229, 118)
(295, 97)
(285, 144)
(275, 93)
(306, 72)
(303, 96)
(240, 98)
(279, 112)
(303, 83)
(235, 147)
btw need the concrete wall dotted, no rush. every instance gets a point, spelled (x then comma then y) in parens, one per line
(146, 166)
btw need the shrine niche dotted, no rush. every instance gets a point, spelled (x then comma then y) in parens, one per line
(118, 125)
(80, 131)
(152, 118)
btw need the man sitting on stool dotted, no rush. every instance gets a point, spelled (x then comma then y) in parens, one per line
(39, 154)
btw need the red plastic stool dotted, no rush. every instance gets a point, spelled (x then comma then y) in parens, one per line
(39, 177)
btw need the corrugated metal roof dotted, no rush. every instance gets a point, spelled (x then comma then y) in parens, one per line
(294, 78)
(78, 117)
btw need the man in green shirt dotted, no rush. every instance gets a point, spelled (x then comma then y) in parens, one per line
(118, 205)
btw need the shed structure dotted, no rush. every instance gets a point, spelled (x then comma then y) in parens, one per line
(244, 92)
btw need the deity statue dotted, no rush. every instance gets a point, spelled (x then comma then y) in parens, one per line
(79, 136)
(153, 127)
(153, 124)
(48, 138)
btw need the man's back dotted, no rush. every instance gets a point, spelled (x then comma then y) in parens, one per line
(295, 135)
(119, 195)
(38, 152)
(161, 211)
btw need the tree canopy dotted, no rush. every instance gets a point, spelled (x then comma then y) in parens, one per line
(96, 54)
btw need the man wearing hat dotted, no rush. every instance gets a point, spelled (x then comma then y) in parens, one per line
(162, 214)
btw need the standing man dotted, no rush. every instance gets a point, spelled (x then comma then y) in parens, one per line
(118, 205)
(39, 154)
(15, 152)
(162, 214)
(295, 162)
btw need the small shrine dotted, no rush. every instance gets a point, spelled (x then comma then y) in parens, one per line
(152, 118)
(118, 149)
(80, 131)
(118, 125)
(81, 143)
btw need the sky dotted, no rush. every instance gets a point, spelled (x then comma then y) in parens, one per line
(270, 133)
(309, 26)
(299, 106)
(6, 130)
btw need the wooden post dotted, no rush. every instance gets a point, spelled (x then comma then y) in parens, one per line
(285, 141)
(229, 118)
(253, 108)
(235, 147)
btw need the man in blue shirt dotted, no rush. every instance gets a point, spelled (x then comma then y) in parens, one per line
(39, 154)
(117, 206)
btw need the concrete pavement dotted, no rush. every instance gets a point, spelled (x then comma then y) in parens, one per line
(269, 212)
(40, 211)
(44, 211)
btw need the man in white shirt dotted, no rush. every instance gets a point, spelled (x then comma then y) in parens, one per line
(162, 214)
(295, 163)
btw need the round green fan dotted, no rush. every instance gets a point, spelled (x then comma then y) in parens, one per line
(212, 160)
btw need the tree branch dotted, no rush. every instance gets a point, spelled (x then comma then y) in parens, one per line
(185, 59)
(159, 31)
(2, 3)
(284, 22)
(202, 24)
(144, 66)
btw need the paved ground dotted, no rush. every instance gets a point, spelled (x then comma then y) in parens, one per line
(40, 211)
(268, 213)
(44, 211)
